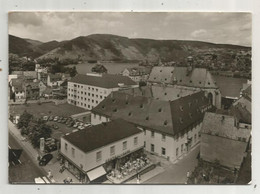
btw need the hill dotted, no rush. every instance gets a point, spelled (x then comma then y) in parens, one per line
(105, 47)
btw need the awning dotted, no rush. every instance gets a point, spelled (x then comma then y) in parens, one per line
(96, 173)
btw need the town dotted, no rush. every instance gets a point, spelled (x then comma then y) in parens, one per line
(115, 128)
(130, 98)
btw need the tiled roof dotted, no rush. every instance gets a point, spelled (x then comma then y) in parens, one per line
(32, 74)
(244, 102)
(101, 135)
(158, 92)
(197, 77)
(33, 85)
(170, 117)
(103, 81)
(223, 126)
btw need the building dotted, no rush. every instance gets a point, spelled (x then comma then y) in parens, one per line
(137, 74)
(42, 77)
(18, 90)
(224, 138)
(188, 78)
(90, 153)
(171, 128)
(42, 87)
(26, 75)
(32, 90)
(87, 91)
(54, 80)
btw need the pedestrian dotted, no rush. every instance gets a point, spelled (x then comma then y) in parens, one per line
(188, 174)
(49, 174)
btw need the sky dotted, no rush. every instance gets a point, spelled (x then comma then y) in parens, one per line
(224, 28)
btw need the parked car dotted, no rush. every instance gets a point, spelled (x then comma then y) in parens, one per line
(45, 159)
(75, 125)
(87, 125)
(56, 118)
(81, 127)
(45, 118)
(55, 126)
(51, 118)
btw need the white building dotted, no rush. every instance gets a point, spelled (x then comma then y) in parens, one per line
(87, 91)
(137, 74)
(90, 153)
(171, 128)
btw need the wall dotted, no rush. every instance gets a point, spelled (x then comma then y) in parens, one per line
(229, 152)
(88, 160)
(97, 119)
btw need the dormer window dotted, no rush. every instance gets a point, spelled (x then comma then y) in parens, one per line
(115, 110)
(126, 102)
(160, 110)
(165, 93)
(165, 123)
(181, 108)
(181, 120)
(113, 100)
(103, 106)
(141, 105)
(130, 113)
(147, 118)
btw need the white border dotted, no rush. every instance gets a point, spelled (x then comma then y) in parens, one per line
(127, 5)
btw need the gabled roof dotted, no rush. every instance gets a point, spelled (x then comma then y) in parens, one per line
(223, 126)
(103, 81)
(196, 77)
(170, 117)
(101, 135)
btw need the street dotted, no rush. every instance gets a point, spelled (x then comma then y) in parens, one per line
(176, 173)
(27, 170)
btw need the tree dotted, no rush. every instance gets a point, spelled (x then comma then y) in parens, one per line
(73, 71)
(37, 130)
(24, 120)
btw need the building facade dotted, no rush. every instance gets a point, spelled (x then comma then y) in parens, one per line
(97, 150)
(171, 128)
(137, 74)
(87, 91)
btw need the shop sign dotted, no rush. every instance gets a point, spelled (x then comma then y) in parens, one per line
(118, 156)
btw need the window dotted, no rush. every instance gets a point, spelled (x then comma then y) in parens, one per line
(152, 148)
(177, 151)
(73, 152)
(100, 117)
(135, 140)
(98, 156)
(66, 146)
(163, 137)
(144, 144)
(163, 151)
(112, 150)
(181, 148)
(124, 145)
(195, 137)
(152, 133)
(144, 132)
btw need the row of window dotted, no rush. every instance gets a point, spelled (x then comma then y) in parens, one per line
(89, 94)
(89, 88)
(99, 153)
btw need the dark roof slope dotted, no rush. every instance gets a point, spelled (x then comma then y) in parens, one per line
(101, 135)
(168, 117)
(103, 81)
(197, 77)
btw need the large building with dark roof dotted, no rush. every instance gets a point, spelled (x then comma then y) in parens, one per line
(224, 138)
(87, 91)
(89, 153)
(171, 128)
(187, 78)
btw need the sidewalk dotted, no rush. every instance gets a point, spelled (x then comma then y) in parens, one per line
(144, 177)
(53, 165)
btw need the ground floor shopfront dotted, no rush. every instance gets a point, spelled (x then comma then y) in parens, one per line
(114, 167)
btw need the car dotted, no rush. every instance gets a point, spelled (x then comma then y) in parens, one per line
(56, 118)
(71, 124)
(75, 125)
(45, 118)
(81, 127)
(55, 126)
(87, 125)
(51, 118)
(45, 159)
(59, 121)
(63, 121)
(67, 122)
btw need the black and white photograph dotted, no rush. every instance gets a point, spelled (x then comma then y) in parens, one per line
(140, 98)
